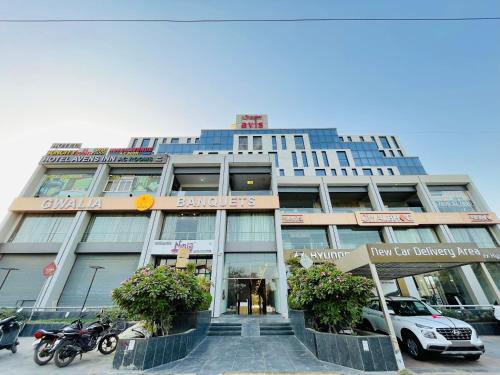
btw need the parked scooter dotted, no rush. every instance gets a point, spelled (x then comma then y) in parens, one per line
(100, 334)
(9, 331)
(45, 342)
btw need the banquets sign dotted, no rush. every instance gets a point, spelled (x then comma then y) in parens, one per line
(173, 247)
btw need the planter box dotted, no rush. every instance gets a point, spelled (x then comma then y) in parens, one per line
(488, 328)
(366, 353)
(143, 354)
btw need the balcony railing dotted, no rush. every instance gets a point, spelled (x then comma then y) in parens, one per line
(188, 236)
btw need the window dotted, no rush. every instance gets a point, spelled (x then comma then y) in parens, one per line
(116, 228)
(353, 237)
(315, 159)
(342, 156)
(416, 235)
(244, 227)
(276, 161)
(295, 238)
(390, 171)
(382, 152)
(349, 139)
(131, 185)
(361, 138)
(325, 159)
(392, 153)
(304, 159)
(65, 185)
(452, 199)
(154, 143)
(134, 142)
(334, 172)
(202, 265)
(42, 228)
(320, 172)
(283, 142)
(479, 235)
(174, 140)
(384, 142)
(197, 140)
(298, 172)
(294, 159)
(395, 142)
(299, 142)
(189, 226)
(344, 172)
(367, 172)
(282, 172)
(273, 141)
(380, 172)
(145, 142)
(257, 143)
(400, 153)
(189, 140)
(354, 172)
(243, 143)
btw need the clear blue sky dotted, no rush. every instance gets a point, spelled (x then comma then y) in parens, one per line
(436, 85)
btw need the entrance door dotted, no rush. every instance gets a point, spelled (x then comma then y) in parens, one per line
(248, 297)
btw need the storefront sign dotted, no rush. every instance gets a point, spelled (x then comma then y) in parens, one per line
(480, 218)
(251, 122)
(216, 202)
(491, 255)
(66, 145)
(49, 269)
(174, 247)
(414, 253)
(131, 151)
(144, 202)
(72, 204)
(80, 151)
(97, 159)
(377, 218)
(292, 219)
(317, 256)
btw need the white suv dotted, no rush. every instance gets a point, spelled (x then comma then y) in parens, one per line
(423, 329)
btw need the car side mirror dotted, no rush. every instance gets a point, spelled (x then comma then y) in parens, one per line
(391, 312)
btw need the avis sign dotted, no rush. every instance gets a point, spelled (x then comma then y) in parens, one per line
(251, 122)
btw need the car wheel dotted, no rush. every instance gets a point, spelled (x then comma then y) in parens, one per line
(366, 325)
(413, 347)
(472, 357)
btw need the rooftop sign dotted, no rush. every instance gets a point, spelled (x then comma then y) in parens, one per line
(249, 122)
(99, 159)
(65, 145)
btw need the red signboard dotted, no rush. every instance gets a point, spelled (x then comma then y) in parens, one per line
(49, 269)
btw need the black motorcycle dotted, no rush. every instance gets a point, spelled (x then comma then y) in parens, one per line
(9, 332)
(45, 342)
(100, 334)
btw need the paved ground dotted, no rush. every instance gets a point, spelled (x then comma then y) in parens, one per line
(488, 363)
(216, 355)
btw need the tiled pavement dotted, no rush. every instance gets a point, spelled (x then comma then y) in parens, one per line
(217, 355)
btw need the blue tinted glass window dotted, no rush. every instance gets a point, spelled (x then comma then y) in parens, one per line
(334, 172)
(400, 153)
(298, 172)
(325, 158)
(390, 171)
(320, 172)
(304, 159)
(294, 160)
(145, 142)
(276, 161)
(342, 155)
(385, 142)
(344, 172)
(354, 172)
(395, 142)
(299, 142)
(243, 143)
(315, 159)
(282, 172)
(275, 146)
(367, 172)
(174, 140)
(283, 142)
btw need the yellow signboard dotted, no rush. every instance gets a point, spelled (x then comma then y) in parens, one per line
(144, 202)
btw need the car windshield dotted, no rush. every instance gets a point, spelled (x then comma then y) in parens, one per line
(411, 308)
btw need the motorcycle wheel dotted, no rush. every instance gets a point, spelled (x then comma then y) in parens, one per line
(108, 344)
(63, 356)
(41, 355)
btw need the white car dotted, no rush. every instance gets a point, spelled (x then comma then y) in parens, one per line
(422, 329)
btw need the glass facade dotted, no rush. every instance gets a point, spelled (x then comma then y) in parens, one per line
(187, 226)
(416, 235)
(299, 142)
(446, 287)
(353, 237)
(452, 199)
(65, 185)
(203, 265)
(343, 160)
(42, 228)
(479, 235)
(304, 238)
(243, 227)
(130, 185)
(494, 271)
(116, 228)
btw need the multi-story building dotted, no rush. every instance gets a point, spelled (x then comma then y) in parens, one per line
(240, 201)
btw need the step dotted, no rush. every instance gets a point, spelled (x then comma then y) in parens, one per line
(225, 324)
(224, 333)
(224, 328)
(276, 333)
(272, 326)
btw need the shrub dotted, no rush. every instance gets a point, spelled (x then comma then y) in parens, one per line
(156, 294)
(336, 299)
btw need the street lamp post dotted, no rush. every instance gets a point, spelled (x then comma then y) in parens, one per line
(95, 268)
(9, 270)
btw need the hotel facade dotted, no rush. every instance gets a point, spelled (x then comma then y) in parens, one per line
(237, 203)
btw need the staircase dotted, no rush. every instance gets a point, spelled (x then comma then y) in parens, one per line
(225, 329)
(281, 329)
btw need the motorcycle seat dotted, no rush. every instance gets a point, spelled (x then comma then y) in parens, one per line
(7, 320)
(44, 332)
